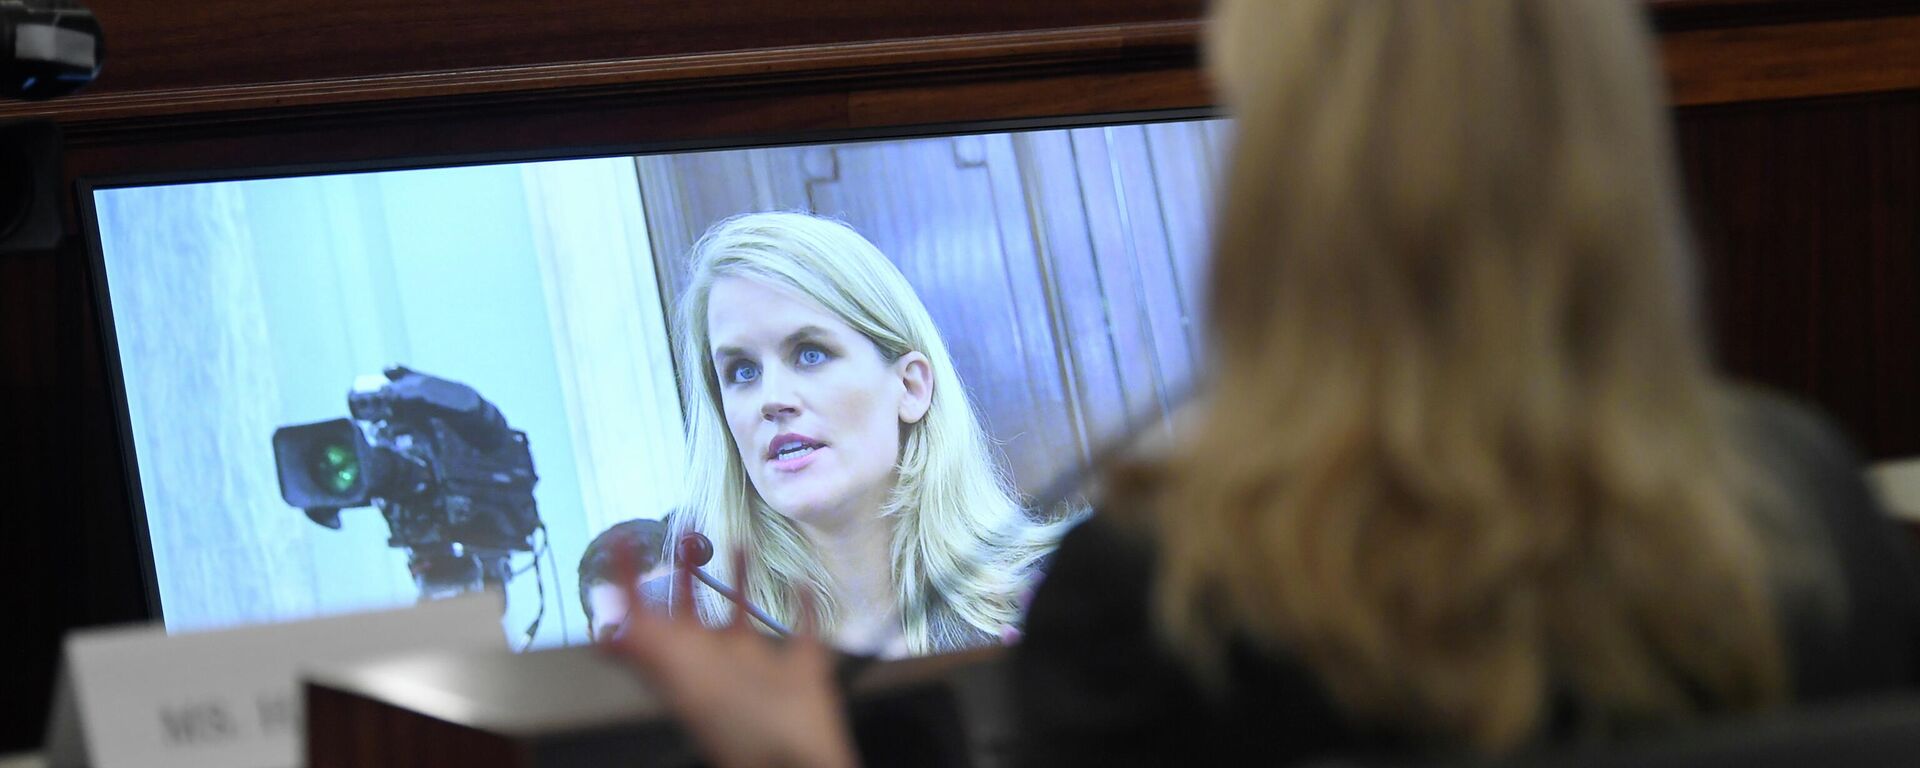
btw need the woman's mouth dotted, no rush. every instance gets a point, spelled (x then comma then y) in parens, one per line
(790, 452)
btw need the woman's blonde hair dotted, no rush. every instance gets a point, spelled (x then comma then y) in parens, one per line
(1459, 450)
(962, 547)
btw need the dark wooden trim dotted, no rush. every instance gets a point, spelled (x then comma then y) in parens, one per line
(168, 46)
(415, 134)
(1716, 51)
(1680, 15)
(997, 56)
(1792, 61)
(359, 732)
(1002, 54)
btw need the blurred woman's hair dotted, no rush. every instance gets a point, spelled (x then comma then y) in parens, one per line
(962, 547)
(1459, 450)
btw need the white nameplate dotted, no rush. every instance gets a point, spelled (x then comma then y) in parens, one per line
(1898, 483)
(231, 698)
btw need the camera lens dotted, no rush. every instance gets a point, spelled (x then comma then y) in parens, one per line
(335, 467)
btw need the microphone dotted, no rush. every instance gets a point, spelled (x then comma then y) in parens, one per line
(696, 550)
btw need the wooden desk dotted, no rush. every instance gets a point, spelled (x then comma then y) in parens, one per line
(574, 707)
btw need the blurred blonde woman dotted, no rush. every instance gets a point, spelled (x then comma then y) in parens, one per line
(832, 440)
(1461, 479)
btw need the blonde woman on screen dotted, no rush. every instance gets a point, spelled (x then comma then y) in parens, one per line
(833, 441)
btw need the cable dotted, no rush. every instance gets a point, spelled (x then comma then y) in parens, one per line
(560, 588)
(522, 571)
(540, 586)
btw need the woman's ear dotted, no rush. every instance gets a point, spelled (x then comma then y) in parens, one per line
(916, 384)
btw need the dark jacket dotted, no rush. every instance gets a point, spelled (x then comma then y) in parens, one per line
(1094, 686)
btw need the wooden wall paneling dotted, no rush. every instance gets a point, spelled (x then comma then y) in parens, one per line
(1808, 216)
(29, 314)
(64, 506)
(666, 210)
(35, 472)
(1063, 236)
(1043, 340)
(32, 471)
(1891, 176)
(1115, 286)
(1114, 267)
(1162, 299)
(1130, 273)
(1187, 182)
(933, 206)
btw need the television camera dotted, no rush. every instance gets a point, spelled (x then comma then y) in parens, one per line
(453, 480)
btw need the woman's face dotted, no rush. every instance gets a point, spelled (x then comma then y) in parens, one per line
(814, 408)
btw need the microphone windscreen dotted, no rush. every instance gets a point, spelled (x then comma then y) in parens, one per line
(694, 549)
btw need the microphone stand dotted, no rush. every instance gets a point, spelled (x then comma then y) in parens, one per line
(697, 550)
(741, 600)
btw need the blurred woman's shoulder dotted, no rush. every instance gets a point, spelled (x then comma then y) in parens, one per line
(1782, 427)
(1863, 636)
(1097, 684)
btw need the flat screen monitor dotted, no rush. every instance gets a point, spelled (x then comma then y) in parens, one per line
(355, 390)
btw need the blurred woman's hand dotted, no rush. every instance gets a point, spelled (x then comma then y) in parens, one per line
(746, 699)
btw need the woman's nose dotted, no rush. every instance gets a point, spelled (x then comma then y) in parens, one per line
(774, 410)
(778, 401)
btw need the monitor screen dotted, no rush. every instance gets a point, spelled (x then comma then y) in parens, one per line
(357, 390)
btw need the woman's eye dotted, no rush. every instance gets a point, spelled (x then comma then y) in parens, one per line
(811, 356)
(742, 372)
